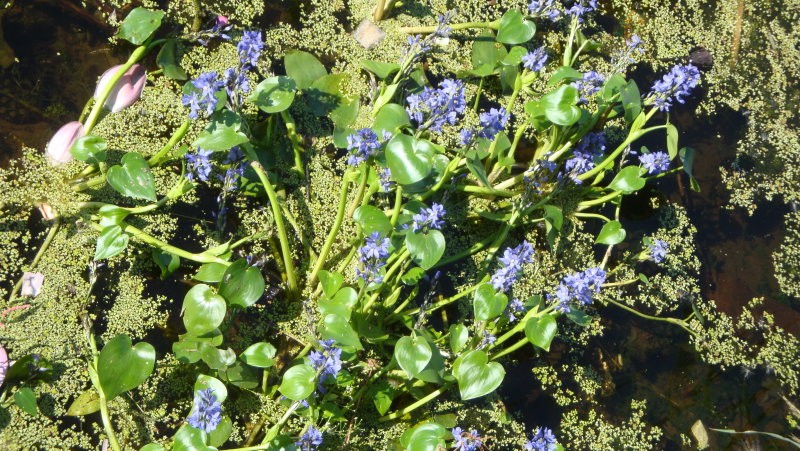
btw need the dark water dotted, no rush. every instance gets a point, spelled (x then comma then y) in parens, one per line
(62, 51)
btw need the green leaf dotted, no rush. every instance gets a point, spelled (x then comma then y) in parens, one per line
(240, 375)
(274, 94)
(687, 158)
(579, 317)
(459, 334)
(477, 376)
(486, 52)
(372, 219)
(298, 382)
(424, 437)
(563, 73)
(134, 178)
(559, 105)
(216, 358)
(331, 281)
(514, 29)
(325, 94)
(259, 355)
(220, 138)
(139, 25)
(219, 390)
(611, 88)
(410, 160)
(412, 276)
(189, 438)
(152, 447)
(112, 215)
(338, 328)
(167, 262)
(628, 180)
(304, 68)
(514, 56)
(540, 330)
(122, 367)
(382, 394)
(392, 118)
(210, 272)
(672, 141)
(242, 284)
(341, 304)
(25, 399)
(475, 166)
(487, 304)
(426, 248)
(379, 68)
(611, 233)
(553, 221)
(86, 403)
(112, 241)
(89, 149)
(412, 354)
(221, 433)
(203, 310)
(631, 101)
(168, 60)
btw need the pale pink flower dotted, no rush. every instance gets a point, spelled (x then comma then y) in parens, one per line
(59, 145)
(126, 91)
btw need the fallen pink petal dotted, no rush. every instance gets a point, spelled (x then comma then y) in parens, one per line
(126, 91)
(3, 364)
(59, 145)
(31, 284)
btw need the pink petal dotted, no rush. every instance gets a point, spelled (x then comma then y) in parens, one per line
(126, 91)
(31, 284)
(3, 364)
(59, 145)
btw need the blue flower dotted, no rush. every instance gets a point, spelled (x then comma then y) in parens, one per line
(579, 286)
(493, 122)
(658, 250)
(467, 136)
(373, 255)
(362, 145)
(580, 8)
(511, 266)
(590, 147)
(589, 84)
(198, 166)
(542, 440)
(514, 308)
(249, 48)
(429, 218)
(488, 340)
(203, 97)
(534, 61)
(328, 363)
(385, 179)
(235, 82)
(310, 440)
(433, 108)
(466, 441)
(207, 411)
(676, 84)
(544, 8)
(655, 162)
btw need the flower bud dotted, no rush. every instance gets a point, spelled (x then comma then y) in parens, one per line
(59, 145)
(126, 91)
(222, 20)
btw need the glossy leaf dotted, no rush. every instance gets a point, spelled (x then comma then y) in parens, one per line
(579, 317)
(240, 375)
(203, 382)
(426, 248)
(564, 73)
(112, 241)
(425, 437)
(559, 105)
(687, 158)
(379, 68)
(189, 438)
(274, 94)
(514, 28)
(139, 24)
(338, 328)
(122, 366)
(628, 180)
(477, 376)
(259, 355)
(459, 334)
(203, 310)
(304, 68)
(86, 403)
(631, 101)
(89, 149)
(25, 399)
(486, 52)
(392, 118)
(298, 382)
(112, 215)
(611, 233)
(166, 262)
(220, 138)
(372, 219)
(341, 304)
(242, 284)
(216, 358)
(169, 60)
(331, 281)
(210, 272)
(540, 330)
(221, 433)
(672, 141)
(133, 178)
(409, 159)
(412, 354)
(487, 303)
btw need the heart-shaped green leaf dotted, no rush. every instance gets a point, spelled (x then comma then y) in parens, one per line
(426, 248)
(242, 284)
(559, 105)
(541, 330)
(112, 241)
(342, 303)
(221, 433)
(189, 438)
(412, 354)
(139, 24)
(169, 60)
(330, 281)
(274, 94)
(391, 118)
(89, 149)
(25, 399)
(477, 376)
(372, 219)
(410, 160)
(133, 178)
(86, 403)
(379, 68)
(338, 328)
(203, 310)
(611, 233)
(219, 390)
(459, 334)
(259, 355)
(304, 68)
(122, 366)
(628, 180)
(514, 29)
(298, 382)
(210, 272)
(424, 437)
(487, 303)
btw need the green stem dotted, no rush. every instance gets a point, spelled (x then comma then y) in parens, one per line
(600, 200)
(39, 254)
(398, 201)
(591, 215)
(156, 159)
(274, 430)
(483, 190)
(112, 438)
(291, 130)
(337, 224)
(362, 186)
(155, 242)
(379, 9)
(291, 277)
(475, 248)
(442, 303)
(421, 402)
(677, 322)
(94, 115)
(478, 95)
(522, 342)
(621, 283)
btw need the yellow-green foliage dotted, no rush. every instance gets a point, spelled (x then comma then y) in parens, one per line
(787, 259)
(595, 431)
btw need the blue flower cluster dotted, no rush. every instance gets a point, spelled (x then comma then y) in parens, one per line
(488, 340)
(328, 363)
(542, 440)
(466, 441)
(624, 57)
(310, 440)
(419, 46)
(579, 286)
(512, 260)
(589, 84)
(203, 97)
(590, 147)
(198, 166)
(658, 250)
(362, 145)
(429, 218)
(207, 411)
(433, 108)
(249, 48)
(581, 8)
(655, 162)
(534, 61)
(514, 308)
(373, 255)
(493, 122)
(385, 175)
(235, 82)
(677, 84)
(544, 8)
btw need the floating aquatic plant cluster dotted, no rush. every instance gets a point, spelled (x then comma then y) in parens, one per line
(431, 178)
